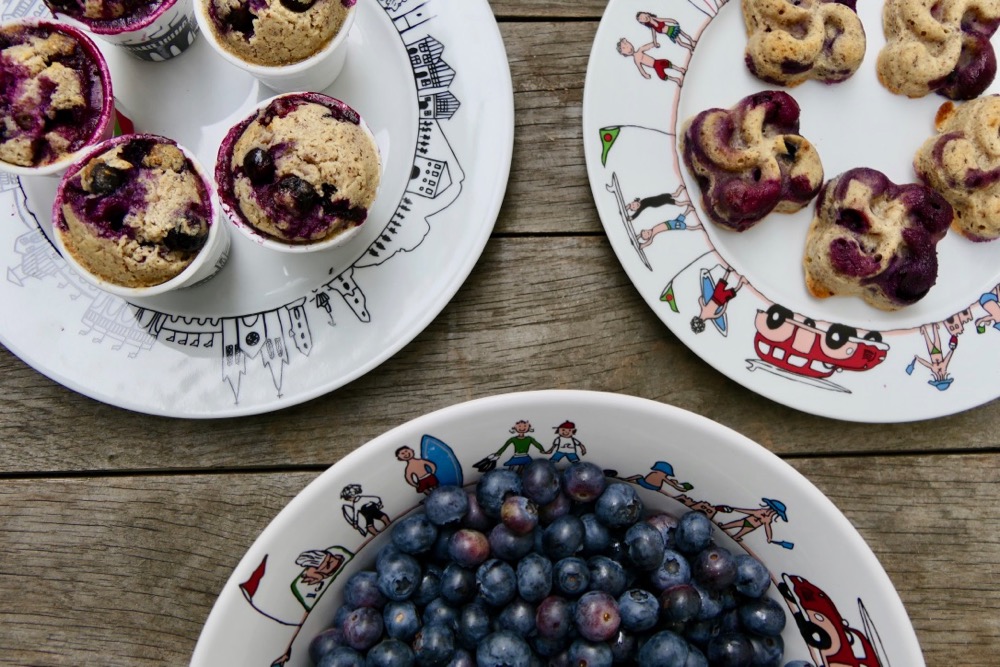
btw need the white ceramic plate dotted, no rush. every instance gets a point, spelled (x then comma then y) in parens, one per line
(271, 330)
(772, 338)
(266, 615)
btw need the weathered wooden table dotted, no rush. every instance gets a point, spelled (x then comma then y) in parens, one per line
(119, 529)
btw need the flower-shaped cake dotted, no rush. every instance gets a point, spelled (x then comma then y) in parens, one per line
(875, 239)
(962, 162)
(940, 46)
(790, 41)
(751, 160)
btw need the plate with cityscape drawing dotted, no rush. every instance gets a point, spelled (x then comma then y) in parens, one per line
(272, 330)
(739, 300)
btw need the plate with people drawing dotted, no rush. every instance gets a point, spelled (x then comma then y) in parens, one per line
(274, 329)
(739, 299)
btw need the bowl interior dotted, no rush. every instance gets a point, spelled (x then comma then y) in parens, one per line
(271, 606)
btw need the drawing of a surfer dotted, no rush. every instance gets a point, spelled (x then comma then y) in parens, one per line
(637, 205)
(363, 512)
(667, 27)
(762, 517)
(714, 305)
(419, 473)
(679, 223)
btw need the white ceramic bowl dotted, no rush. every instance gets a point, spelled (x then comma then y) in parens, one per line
(265, 614)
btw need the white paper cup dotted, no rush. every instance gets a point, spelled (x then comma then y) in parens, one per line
(230, 206)
(316, 72)
(210, 259)
(104, 126)
(162, 34)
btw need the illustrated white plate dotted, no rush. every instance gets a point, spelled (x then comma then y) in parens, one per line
(270, 330)
(836, 357)
(841, 606)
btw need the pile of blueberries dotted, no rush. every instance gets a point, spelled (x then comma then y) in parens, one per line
(553, 567)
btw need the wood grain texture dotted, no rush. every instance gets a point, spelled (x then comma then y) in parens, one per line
(552, 9)
(124, 570)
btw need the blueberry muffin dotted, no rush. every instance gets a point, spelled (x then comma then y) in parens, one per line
(789, 42)
(136, 213)
(303, 169)
(940, 46)
(56, 94)
(276, 32)
(962, 162)
(106, 15)
(751, 160)
(875, 239)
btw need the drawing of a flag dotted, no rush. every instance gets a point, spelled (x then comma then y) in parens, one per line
(250, 586)
(608, 136)
(668, 296)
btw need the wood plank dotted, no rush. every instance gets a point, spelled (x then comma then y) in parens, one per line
(553, 9)
(124, 570)
(567, 317)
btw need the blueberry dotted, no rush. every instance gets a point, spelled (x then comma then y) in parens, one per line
(415, 534)
(398, 576)
(763, 616)
(534, 577)
(439, 552)
(619, 506)
(674, 569)
(553, 619)
(493, 489)
(440, 612)
(666, 524)
(694, 533)
(607, 575)
(362, 590)
(729, 650)
(540, 481)
(469, 548)
(799, 663)
(639, 610)
(624, 648)
(497, 582)
(519, 514)
(298, 6)
(401, 620)
(563, 537)
(663, 648)
(258, 165)
(700, 633)
(325, 642)
(571, 576)
(596, 537)
(547, 648)
(561, 506)
(390, 653)
(644, 546)
(295, 194)
(475, 517)
(430, 585)
(240, 19)
(181, 241)
(583, 482)
(509, 545)
(446, 505)
(458, 585)
(363, 628)
(105, 179)
(680, 603)
(474, 624)
(767, 651)
(503, 649)
(695, 658)
(343, 656)
(752, 578)
(587, 654)
(518, 617)
(711, 603)
(714, 568)
(434, 644)
(462, 658)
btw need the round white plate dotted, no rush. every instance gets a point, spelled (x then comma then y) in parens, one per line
(266, 614)
(270, 330)
(773, 337)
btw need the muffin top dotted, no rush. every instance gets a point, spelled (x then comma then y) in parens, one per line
(136, 214)
(302, 170)
(276, 32)
(105, 13)
(52, 95)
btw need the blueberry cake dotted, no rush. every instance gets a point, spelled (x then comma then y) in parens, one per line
(751, 160)
(276, 32)
(304, 169)
(136, 213)
(54, 99)
(962, 162)
(940, 46)
(105, 15)
(791, 41)
(875, 239)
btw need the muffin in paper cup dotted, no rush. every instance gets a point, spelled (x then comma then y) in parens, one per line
(137, 216)
(288, 45)
(57, 97)
(154, 30)
(300, 173)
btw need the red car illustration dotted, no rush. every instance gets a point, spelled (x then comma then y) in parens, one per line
(801, 347)
(831, 640)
